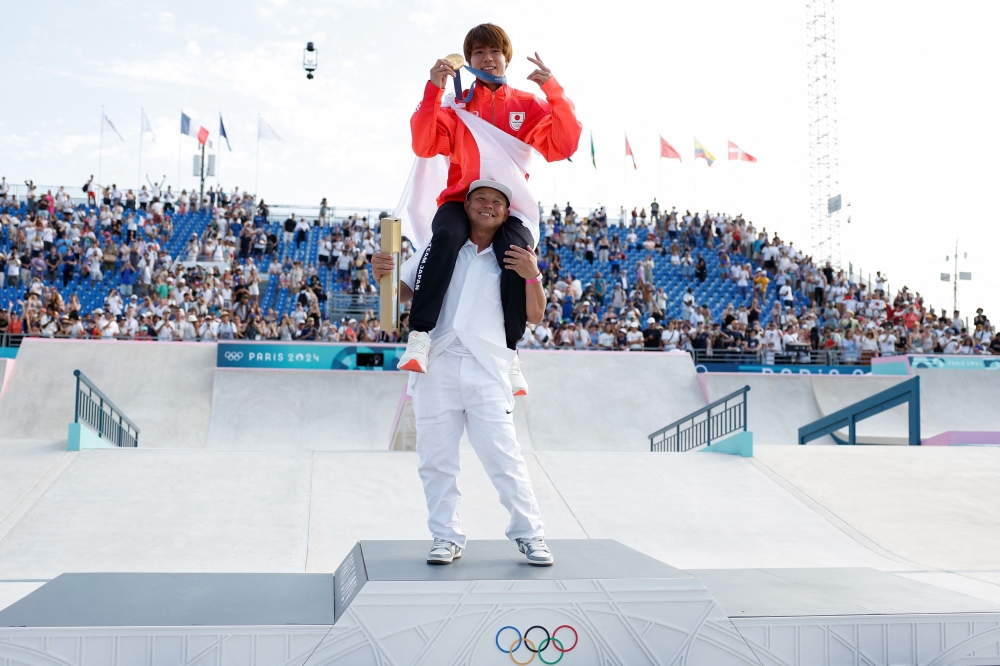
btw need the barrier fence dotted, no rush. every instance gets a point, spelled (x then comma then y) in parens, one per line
(714, 421)
(96, 410)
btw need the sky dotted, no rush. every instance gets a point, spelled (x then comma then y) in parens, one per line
(916, 109)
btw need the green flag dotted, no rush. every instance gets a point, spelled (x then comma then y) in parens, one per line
(593, 156)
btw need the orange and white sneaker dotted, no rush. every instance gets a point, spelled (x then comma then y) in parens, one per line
(416, 356)
(518, 384)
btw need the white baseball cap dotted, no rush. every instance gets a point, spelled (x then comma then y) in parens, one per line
(500, 187)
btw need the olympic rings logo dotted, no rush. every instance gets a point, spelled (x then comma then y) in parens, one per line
(233, 355)
(537, 651)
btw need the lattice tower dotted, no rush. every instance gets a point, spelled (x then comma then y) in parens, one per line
(823, 155)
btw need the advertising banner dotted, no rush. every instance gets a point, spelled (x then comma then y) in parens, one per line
(307, 356)
(955, 362)
(785, 369)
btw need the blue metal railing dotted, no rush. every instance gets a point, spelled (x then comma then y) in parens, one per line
(713, 421)
(907, 391)
(96, 410)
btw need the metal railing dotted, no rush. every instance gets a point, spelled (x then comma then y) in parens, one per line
(350, 305)
(905, 392)
(713, 421)
(800, 355)
(96, 410)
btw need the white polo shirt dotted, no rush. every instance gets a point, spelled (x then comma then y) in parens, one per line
(471, 319)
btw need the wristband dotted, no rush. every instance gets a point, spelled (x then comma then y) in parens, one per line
(537, 278)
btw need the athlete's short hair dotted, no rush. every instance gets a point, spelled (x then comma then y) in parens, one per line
(487, 34)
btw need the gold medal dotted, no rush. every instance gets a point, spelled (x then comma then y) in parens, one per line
(455, 60)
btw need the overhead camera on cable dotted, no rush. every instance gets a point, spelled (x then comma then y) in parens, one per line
(310, 59)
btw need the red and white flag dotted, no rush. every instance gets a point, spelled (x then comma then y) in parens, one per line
(502, 157)
(666, 150)
(629, 153)
(737, 153)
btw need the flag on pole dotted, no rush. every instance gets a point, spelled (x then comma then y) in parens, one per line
(188, 128)
(666, 150)
(265, 131)
(737, 153)
(146, 126)
(593, 155)
(699, 151)
(110, 125)
(222, 133)
(629, 153)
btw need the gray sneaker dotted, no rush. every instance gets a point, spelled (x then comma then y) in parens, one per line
(443, 552)
(536, 551)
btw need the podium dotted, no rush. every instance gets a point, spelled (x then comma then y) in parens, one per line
(601, 603)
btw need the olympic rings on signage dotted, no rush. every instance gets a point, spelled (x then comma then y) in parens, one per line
(517, 643)
(233, 356)
(576, 637)
(549, 640)
(537, 626)
(558, 645)
(528, 644)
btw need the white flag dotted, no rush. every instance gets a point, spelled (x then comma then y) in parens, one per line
(265, 131)
(111, 126)
(146, 126)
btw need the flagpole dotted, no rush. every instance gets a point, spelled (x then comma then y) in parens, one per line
(141, 112)
(218, 153)
(659, 175)
(625, 176)
(178, 183)
(256, 168)
(100, 150)
(694, 180)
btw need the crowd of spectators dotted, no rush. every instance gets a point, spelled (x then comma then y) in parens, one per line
(52, 249)
(818, 313)
(214, 284)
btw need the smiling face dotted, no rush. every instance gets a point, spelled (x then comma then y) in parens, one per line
(489, 59)
(487, 209)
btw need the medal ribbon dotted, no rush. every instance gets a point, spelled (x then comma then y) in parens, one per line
(479, 74)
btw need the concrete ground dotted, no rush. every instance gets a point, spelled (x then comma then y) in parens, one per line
(284, 471)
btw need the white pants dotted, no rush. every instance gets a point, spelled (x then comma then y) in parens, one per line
(457, 393)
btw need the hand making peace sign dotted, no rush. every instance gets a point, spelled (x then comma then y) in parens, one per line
(542, 74)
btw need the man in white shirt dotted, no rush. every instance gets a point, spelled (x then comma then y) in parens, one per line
(466, 384)
(887, 342)
(108, 325)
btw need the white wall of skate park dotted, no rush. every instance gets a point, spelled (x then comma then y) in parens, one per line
(285, 470)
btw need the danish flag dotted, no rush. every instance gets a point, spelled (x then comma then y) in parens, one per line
(737, 153)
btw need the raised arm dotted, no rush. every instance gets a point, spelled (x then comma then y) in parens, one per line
(431, 129)
(557, 135)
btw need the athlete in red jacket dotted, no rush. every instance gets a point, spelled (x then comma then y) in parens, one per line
(549, 126)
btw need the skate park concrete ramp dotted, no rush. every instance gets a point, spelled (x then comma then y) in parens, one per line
(595, 401)
(248, 470)
(777, 405)
(958, 400)
(166, 389)
(833, 393)
(6, 367)
(303, 410)
(926, 511)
